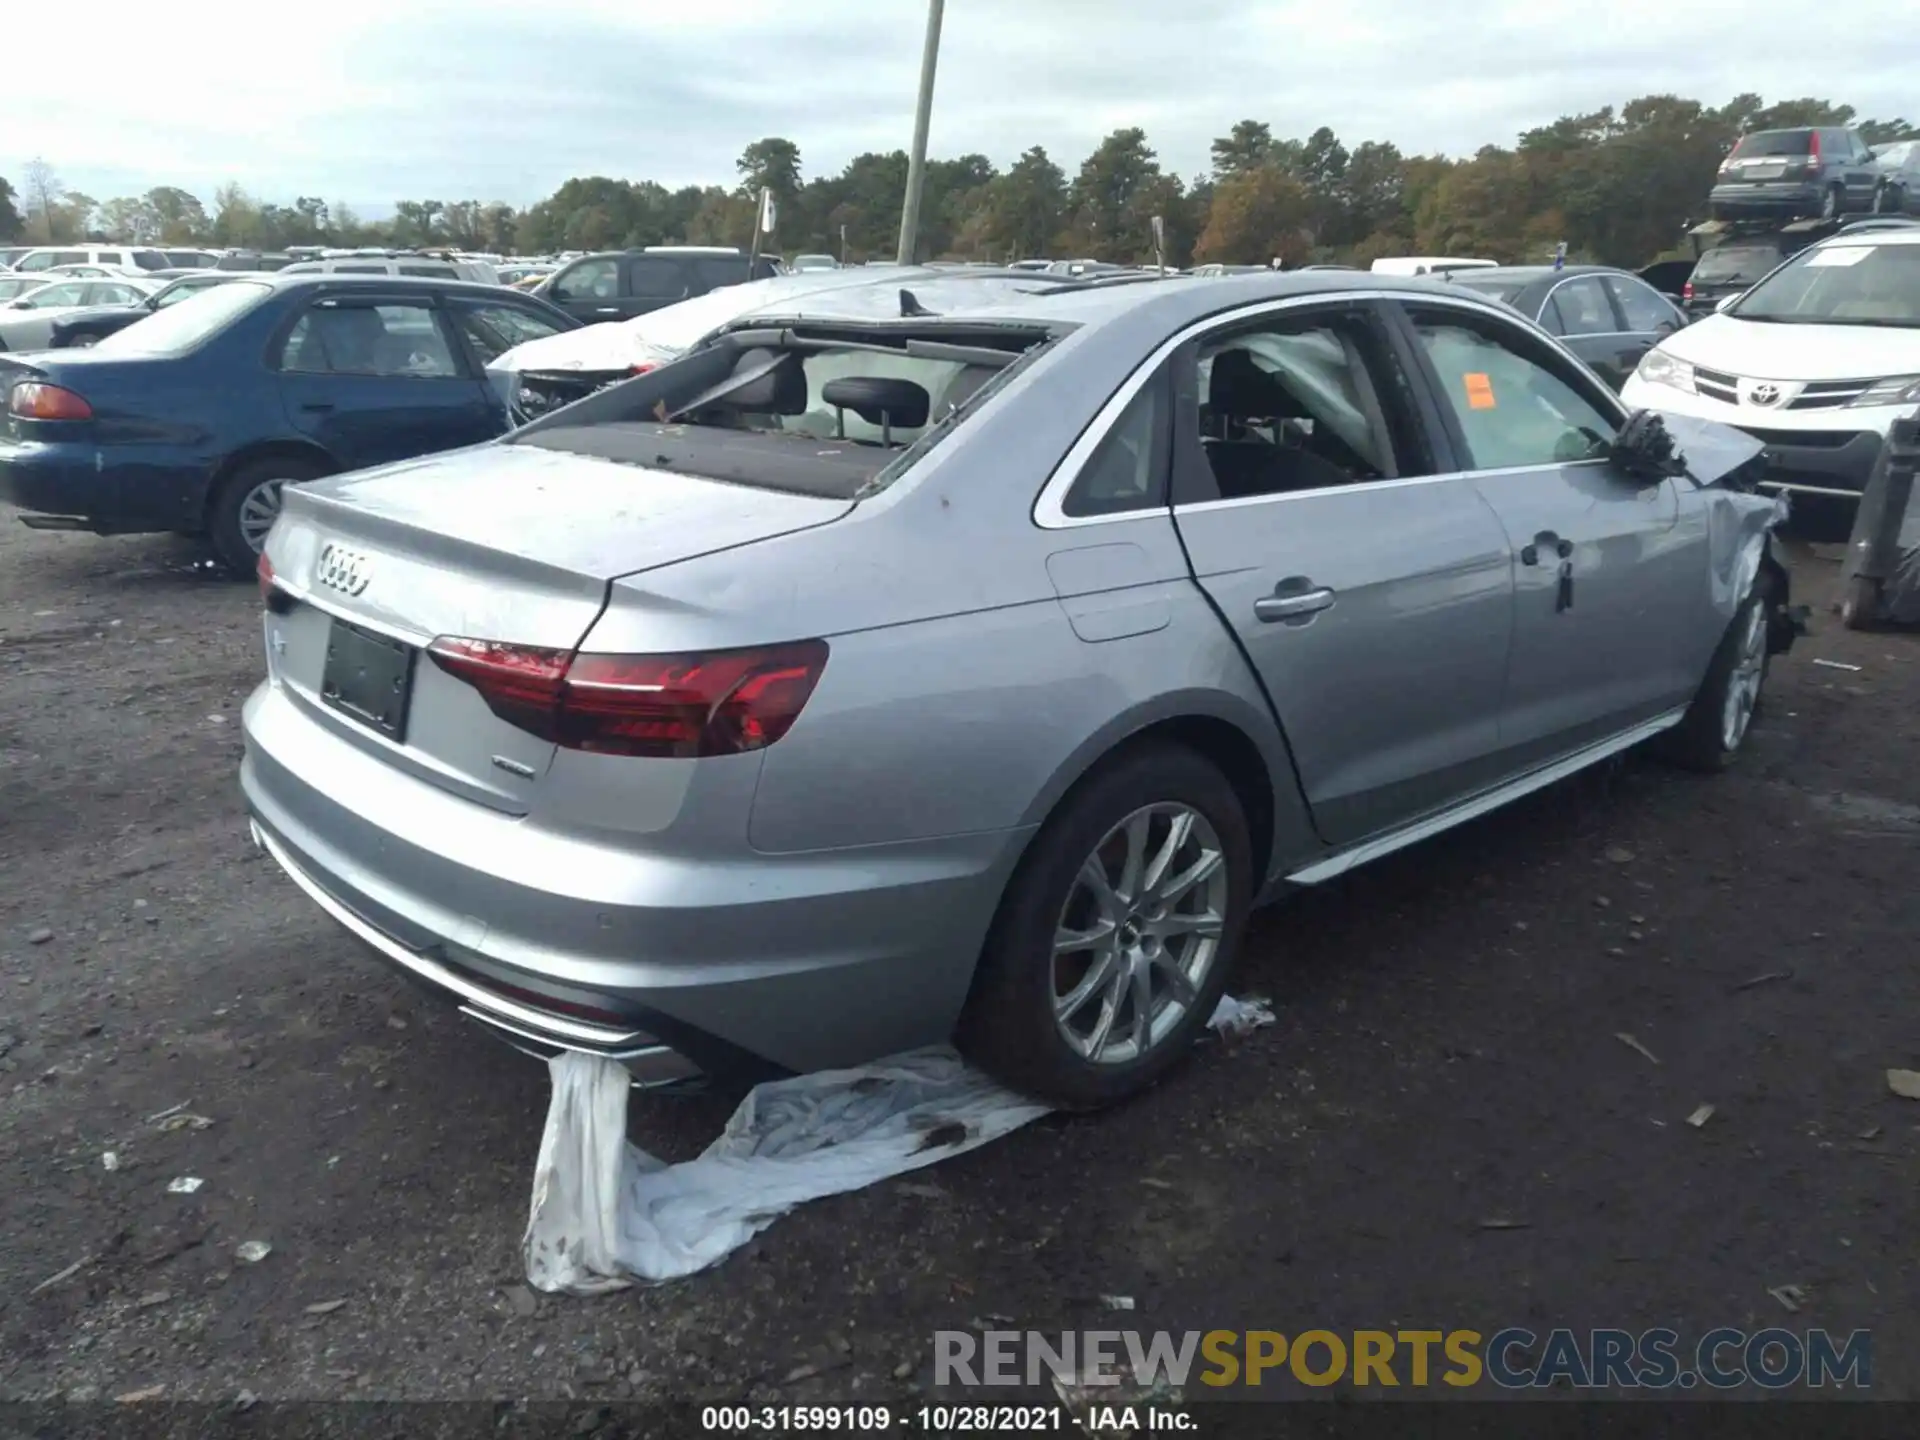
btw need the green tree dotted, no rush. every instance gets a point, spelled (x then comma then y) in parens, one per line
(1257, 216)
(130, 219)
(44, 188)
(1026, 208)
(1109, 222)
(182, 218)
(236, 217)
(1250, 144)
(775, 164)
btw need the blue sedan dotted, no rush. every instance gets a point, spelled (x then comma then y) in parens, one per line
(193, 419)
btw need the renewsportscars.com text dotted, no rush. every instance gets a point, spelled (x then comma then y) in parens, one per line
(1512, 1359)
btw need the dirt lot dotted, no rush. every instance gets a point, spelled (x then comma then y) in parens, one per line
(1446, 1054)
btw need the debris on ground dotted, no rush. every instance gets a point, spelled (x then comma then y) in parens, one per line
(1791, 1297)
(1632, 1044)
(135, 1397)
(821, 1366)
(110, 1160)
(1619, 855)
(1838, 665)
(159, 1115)
(252, 1251)
(522, 1301)
(40, 936)
(1501, 1222)
(152, 1298)
(184, 1185)
(1117, 1302)
(1240, 1017)
(1767, 979)
(60, 1275)
(1700, 1117)
(184, 1121)
(1904, 1083)
(325, 1307)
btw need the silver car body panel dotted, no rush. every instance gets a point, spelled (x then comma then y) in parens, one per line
(825, 899)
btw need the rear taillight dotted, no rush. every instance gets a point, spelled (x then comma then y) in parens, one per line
(37, 400)
(1686, 292)
(640, 369)
(1813, 150)
(727, 702)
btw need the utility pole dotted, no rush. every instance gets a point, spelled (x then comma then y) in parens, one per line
(922, 119)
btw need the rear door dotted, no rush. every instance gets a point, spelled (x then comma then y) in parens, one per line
(589, 289)
(1373, 595)
(652, 282)
(1647, 317)
(372, 379)
(1860, 170)
(1579, 311)
(1608, 587)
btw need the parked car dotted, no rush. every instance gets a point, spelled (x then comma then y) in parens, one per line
(618, 285)
(1428, 264)
(802, 263)
(1607, 317)
(425, 267)
(192, 419)
(191, 259)
(836, 689)
(545, 374)
(130, 258)
(10, 254)
(26, 322)
(1816, 360)
(1824, 170)
(91, 326)
(253, 261)
(1215, 271)
(1899, 188)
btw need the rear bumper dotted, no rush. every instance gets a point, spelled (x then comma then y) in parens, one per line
(109, 492)
(612, 944)
(1768, 197)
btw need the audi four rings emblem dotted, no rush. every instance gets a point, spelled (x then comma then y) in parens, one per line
(1764, 394)
(342, 569)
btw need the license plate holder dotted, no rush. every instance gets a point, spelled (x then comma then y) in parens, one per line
(368, 678)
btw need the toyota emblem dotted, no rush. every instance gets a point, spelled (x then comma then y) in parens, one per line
(342, 569)
(1765, 393)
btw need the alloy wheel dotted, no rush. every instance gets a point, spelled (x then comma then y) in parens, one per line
(1139, 933)
(259, 508)
(1743, 684)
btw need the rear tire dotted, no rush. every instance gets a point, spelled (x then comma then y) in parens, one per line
(1883, 203)
(1832, 204)
(1717, 722)
(1062, 1021)
(245, 505)
(1860, 604)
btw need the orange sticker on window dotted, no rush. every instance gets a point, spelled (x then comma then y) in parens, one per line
(1479, 391)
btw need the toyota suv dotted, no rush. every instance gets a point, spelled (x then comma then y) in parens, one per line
(1824, 170)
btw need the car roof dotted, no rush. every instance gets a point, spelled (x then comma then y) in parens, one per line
(1908, 234)
(1530, 273)
(280, 280)
(877, 296)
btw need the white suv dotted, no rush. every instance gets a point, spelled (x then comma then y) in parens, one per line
(1817, 360)
(130, 259)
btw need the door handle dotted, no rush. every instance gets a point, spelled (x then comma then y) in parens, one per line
(316, 407)
(1531, 554)
(1293, 604)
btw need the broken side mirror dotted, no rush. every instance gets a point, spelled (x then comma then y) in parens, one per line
(1644, 450)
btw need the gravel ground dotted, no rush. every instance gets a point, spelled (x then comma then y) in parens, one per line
(1448, 1052)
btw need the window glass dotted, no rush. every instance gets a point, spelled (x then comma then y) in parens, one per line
(358, 269)
(431, 272)
(1582, 307)
(1122, 476)
(1840, 285)
(1512, 410)
(62, 292)
(391, 341)
(716, 271)
(109, 257)
(112, 295)
(1644, 309)
(1293, 407)
(1735, 264)
(654, 277)
(1773, 142)
(493, 330)
(589, 280)
(180, 328)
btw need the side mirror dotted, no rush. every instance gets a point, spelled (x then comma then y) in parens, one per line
(1727, 303)
(1643, 450)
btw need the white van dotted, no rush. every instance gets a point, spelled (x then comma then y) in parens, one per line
(1427, 265)
(120, 257)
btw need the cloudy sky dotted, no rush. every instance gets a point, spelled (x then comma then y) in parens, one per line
(372, 101)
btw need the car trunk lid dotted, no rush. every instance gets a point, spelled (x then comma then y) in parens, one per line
(509, 545)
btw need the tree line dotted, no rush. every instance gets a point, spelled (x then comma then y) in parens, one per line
(1618, 186)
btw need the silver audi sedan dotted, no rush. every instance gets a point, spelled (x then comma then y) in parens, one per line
(851, 684)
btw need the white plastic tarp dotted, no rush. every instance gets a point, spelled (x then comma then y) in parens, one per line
(605, 1213)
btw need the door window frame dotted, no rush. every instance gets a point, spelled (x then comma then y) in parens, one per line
(1048, 508)
(679, 266)
(464, 368)
(563, 277)
(1546, 351)
(1613, 284)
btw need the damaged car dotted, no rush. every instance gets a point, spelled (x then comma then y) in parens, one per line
(543, 375)
(848, 685)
